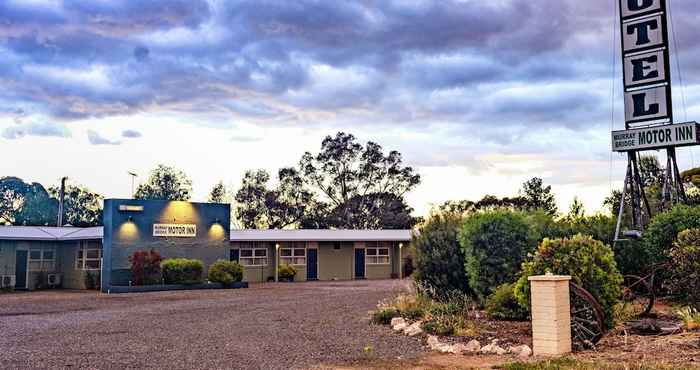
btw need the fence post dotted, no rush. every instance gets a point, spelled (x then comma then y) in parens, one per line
(551, 314)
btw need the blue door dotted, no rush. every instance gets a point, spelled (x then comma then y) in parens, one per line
(21, 270)
(312, 264)
(359, 263)
(234, 255)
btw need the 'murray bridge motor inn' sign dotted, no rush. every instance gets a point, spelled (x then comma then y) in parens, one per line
(647, 81)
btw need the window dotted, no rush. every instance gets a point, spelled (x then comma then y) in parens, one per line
(377, 255)
(253, 254)
(41, 259)
(88, 257)
(293, 254)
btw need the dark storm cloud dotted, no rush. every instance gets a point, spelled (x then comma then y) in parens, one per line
(462, 62)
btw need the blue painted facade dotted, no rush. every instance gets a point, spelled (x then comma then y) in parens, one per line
(129, 230)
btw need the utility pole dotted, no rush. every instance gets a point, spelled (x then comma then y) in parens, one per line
(133, 177)
(61, 198)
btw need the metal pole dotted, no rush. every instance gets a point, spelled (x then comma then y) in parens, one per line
(400, 262)
(277, 248)
(622, 206)
(61, 199)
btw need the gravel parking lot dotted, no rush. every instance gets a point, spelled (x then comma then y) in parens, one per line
(267, 326)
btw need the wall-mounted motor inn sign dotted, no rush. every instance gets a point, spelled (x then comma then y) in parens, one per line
(175, 230)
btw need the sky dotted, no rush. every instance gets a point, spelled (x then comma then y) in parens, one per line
(478, 96)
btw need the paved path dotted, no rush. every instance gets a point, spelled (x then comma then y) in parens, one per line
(268, 326)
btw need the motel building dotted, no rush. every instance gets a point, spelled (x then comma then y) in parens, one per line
(34, 256)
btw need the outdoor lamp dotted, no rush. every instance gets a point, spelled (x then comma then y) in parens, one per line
(130, 219)
(277, 248)
(400, 264)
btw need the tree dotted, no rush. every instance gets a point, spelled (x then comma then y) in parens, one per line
(81, 207)
(576, 209)
(439, 258)
(488, 202)
(218, 193)
(350, 177)
(538, 196)
(345, 186)
(261, 208)
(26, 203)
(165, 183)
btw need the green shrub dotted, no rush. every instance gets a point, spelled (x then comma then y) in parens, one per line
(502, 305)
(495, 244)
(663, 229)
(590, 263)
(684, 273)
(439, 259)
(225, 272)
(383, 316)
(286, 272)
(182, 271)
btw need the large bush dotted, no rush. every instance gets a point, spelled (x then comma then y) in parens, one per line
(182, 271)
(590, 263)
(684, 273)
(495, 244)
(439, 259)
(663, 229)
(225, 272)
(145, 267)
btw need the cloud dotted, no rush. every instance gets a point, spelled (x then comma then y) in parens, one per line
(131, 134)
(36, 129)
(246, 138)
(96, 139)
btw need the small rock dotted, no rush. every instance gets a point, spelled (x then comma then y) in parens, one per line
(473, 346)
(499, 350)
(397, 320)
(460, 348)
(486, 349)
(413, 329)
(433, 342)
(446, 348)
(525, 351)
(400, 326)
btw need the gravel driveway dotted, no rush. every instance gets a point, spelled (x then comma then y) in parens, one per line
(267, 326)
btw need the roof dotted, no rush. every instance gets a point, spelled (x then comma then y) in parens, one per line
(95, 233)
(320, 235)
(49, 233)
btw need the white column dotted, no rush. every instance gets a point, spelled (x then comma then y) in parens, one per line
(551, 315)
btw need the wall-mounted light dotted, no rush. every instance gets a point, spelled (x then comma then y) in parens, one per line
(130, 219)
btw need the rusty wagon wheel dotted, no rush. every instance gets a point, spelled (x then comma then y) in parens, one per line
(637, 296)
(587, 318)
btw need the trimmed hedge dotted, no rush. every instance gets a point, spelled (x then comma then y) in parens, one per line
(495, 244)
(225, 272)
(182, 271)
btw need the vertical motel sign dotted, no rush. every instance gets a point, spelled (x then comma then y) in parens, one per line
(645, 56)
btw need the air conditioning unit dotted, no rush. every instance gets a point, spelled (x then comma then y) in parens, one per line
(54, 279)
(7, 281)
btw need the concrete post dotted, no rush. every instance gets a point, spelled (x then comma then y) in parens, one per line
(551, 316)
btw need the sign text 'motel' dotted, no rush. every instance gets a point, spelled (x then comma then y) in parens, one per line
(645, 62)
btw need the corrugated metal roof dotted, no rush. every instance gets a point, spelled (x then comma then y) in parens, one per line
(320, 235)
(49, 233)
(95, 233)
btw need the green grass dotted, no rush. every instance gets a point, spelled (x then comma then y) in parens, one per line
(571, 364)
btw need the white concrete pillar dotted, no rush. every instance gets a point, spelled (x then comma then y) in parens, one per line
(551, 314)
